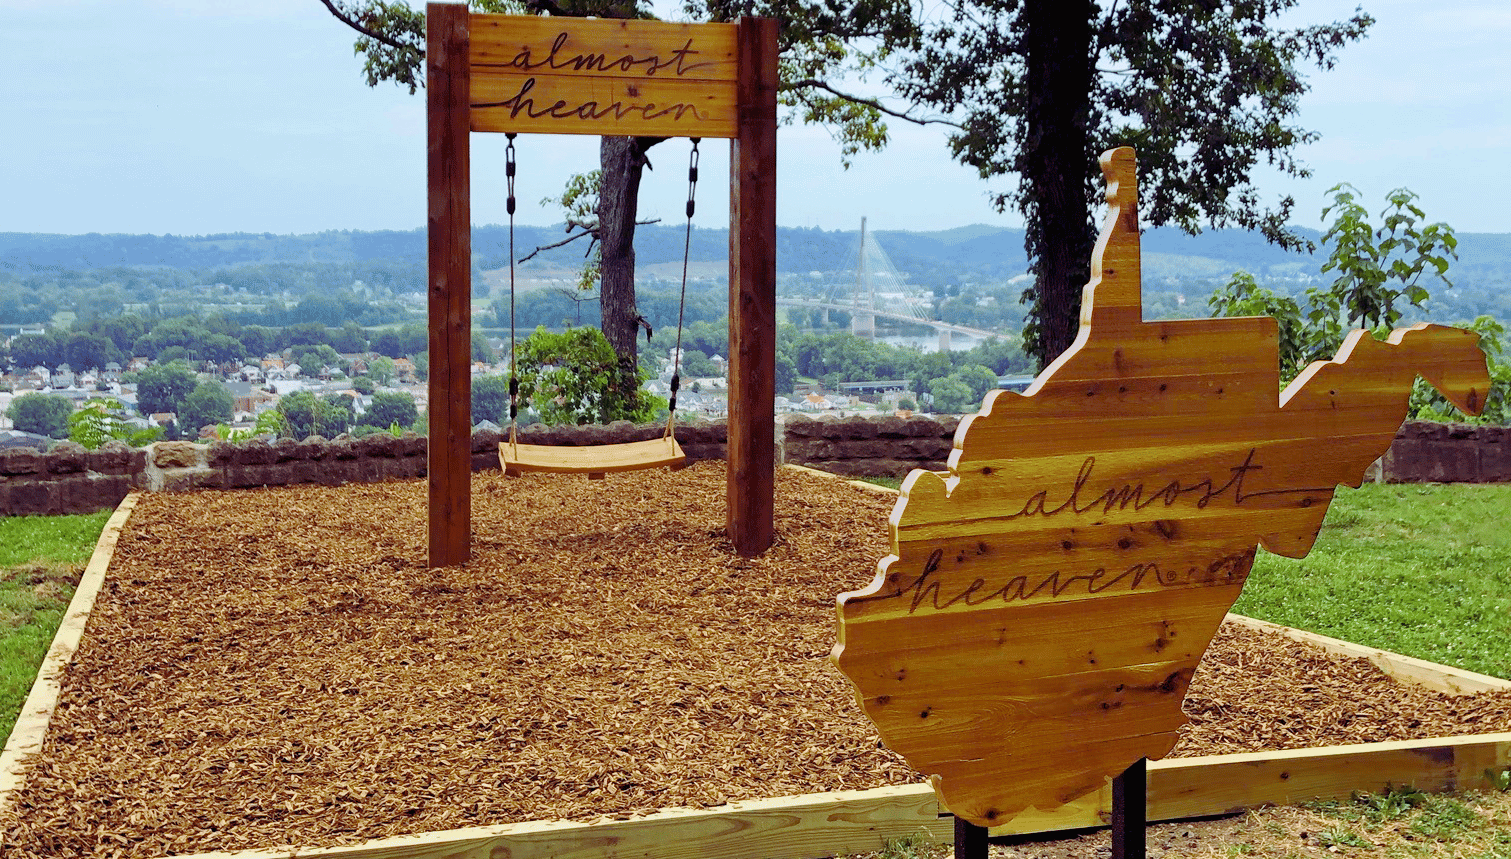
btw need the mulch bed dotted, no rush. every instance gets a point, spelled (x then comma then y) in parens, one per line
(280, 668)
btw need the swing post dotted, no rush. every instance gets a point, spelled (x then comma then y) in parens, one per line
(449, 463)
(752, 293)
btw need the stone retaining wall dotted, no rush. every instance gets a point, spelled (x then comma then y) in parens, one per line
(70, 479)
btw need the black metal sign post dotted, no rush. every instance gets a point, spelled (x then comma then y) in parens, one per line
(970, 840)
(1129, 812)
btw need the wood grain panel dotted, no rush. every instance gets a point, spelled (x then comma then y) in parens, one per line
(1049, 594)
(603, 76)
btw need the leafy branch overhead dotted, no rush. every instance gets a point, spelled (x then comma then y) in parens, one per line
(1205, 92)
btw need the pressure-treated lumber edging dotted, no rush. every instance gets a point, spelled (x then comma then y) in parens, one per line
(31, 725)
(827, 824)
(820, 824)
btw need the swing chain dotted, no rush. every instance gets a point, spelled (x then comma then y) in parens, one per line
(509, 171)
(692, 178)
(692, 189)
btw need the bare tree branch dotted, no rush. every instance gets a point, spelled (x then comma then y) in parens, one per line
(811, 83)
(566, 241)
(574, 237)
(368, 32)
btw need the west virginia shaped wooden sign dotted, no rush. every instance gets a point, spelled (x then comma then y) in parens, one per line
(1049, 596)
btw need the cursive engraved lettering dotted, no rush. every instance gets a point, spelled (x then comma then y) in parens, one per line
(927, 588)
(1132, 495)
(557, 60)
(520, 102)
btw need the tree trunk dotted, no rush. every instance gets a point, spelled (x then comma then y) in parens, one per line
(622, 160)
(1061, 65)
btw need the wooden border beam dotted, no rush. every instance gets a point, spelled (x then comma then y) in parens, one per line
(449, 189)
(752, 293)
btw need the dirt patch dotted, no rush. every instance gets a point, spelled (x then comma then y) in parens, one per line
(280, 668)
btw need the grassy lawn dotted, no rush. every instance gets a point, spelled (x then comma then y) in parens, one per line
(41, 558)
(1422, 570)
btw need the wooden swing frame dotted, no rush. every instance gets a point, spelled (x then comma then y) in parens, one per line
(508, 73)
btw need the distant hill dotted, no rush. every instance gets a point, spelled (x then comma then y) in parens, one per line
(981, 250)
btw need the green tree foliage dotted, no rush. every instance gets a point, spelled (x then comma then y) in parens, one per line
(381, 369)
(163, 387)
(44, 414)
(1379, 270)
(490, 399)
(305, 415)
(978, 378)
(400, 342)
(99, 421)
(122, 331)
(37, 350)
(364, 385)
(574, 377)
(313, 359)
(481, 350)
(696, 364)
(951, 396)
(349, 338)
(86, 351)
(1205, 92)
(389, 408)
(209, 404)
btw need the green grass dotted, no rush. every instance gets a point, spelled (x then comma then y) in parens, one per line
(63, 539)
(1421, 570)
(40, 561)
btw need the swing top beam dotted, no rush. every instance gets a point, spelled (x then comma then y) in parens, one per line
(605, 77)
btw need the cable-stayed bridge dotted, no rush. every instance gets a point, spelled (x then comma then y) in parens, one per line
(879, 290)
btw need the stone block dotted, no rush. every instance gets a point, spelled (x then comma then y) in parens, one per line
(891, 426)
(378, 445)
(806, 451)
(342, 449)
(313, 449)
(66, 457)
(1453, 463)
(286, 450)
(922, 449)
(801, 426)
(113, 457)
(856, 427)
(1463, 431)
(699, 452)
(221, 453)
(31, 497)
(414, 445)
(1495, 462)
(20, 460)
(177, 454)
(483, 441)
(863, 449)
(256, 452)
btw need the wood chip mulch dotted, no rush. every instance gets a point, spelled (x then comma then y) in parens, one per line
(280, 668)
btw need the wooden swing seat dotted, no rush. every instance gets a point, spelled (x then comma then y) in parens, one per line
(593, 460)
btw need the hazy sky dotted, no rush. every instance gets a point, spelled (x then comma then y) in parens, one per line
(204, 116)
